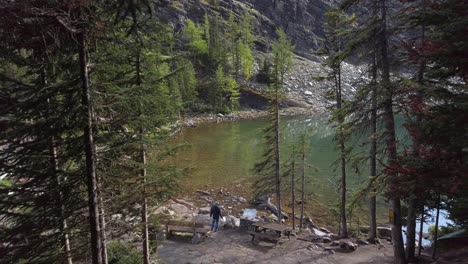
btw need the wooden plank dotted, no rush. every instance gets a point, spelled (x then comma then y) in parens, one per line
(186, 229)
(180, 229)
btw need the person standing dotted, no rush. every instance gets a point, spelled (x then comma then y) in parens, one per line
(215, 212)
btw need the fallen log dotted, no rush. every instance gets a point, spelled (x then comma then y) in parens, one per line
(273, 209)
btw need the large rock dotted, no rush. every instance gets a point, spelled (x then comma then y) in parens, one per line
(348, 245)
(197, 238)
(204, 210)
(384, 231)
(188, 204)
(237, 198)
(202, 219)
(206, 220)
(179, 209)
(318, 232)
(164, 210)
(308, 222)
(232, 222)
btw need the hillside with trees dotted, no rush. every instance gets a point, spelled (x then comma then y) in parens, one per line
(93, 95)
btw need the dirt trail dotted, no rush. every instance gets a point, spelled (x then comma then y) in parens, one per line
(234, 246)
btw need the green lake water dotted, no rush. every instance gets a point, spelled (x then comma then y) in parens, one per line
(223, 155)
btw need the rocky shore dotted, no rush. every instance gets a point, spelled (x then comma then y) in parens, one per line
(193, 121)
(232, 243)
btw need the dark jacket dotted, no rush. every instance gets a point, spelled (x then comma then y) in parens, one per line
(215, 212)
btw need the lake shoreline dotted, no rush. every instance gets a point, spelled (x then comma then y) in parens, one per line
(198, 119)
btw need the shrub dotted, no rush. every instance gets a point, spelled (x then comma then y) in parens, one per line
(123, 253)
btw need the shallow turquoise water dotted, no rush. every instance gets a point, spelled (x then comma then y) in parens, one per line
(224, 154)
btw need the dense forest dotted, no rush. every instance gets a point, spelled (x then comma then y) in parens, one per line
(92, 94)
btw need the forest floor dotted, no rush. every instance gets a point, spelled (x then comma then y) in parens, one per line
(234, 246)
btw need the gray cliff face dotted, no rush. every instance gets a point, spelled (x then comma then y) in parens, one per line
(302, 20)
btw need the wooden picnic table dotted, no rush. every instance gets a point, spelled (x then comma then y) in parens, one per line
(261, 228)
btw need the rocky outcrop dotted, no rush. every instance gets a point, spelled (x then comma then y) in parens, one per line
(302, 21)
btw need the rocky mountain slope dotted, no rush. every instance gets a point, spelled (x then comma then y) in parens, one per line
(302, 20)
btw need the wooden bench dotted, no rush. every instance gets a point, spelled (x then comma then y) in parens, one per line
(186, 228)
(261, 235)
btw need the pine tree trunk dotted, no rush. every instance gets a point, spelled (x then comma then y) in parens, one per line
(373, 156)
(302, 184)
(63, 220)
(144, 206)
(436, 235)
(58, 180)
(397, 237)
(413, 201)
(344, 224)
(411, 228)
(421, 225)
(102, 222)
(144, 213)
(293, 197)
(91, 177)
(277, 154)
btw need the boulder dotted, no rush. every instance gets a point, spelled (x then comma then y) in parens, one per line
(326, 239)
(318, 232)
(206, 220)
(207, 198)
(273, 217)
(308, 222)
(204, 210)
(179, 209)
(202, 219)
(362, 242)
(264, 199)
(324, 230)
(163, 210)
(197, 238)
(348, 245)
(188, 204)
(239, 199)
(232, 222)
(384, 231)
(116, 217)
